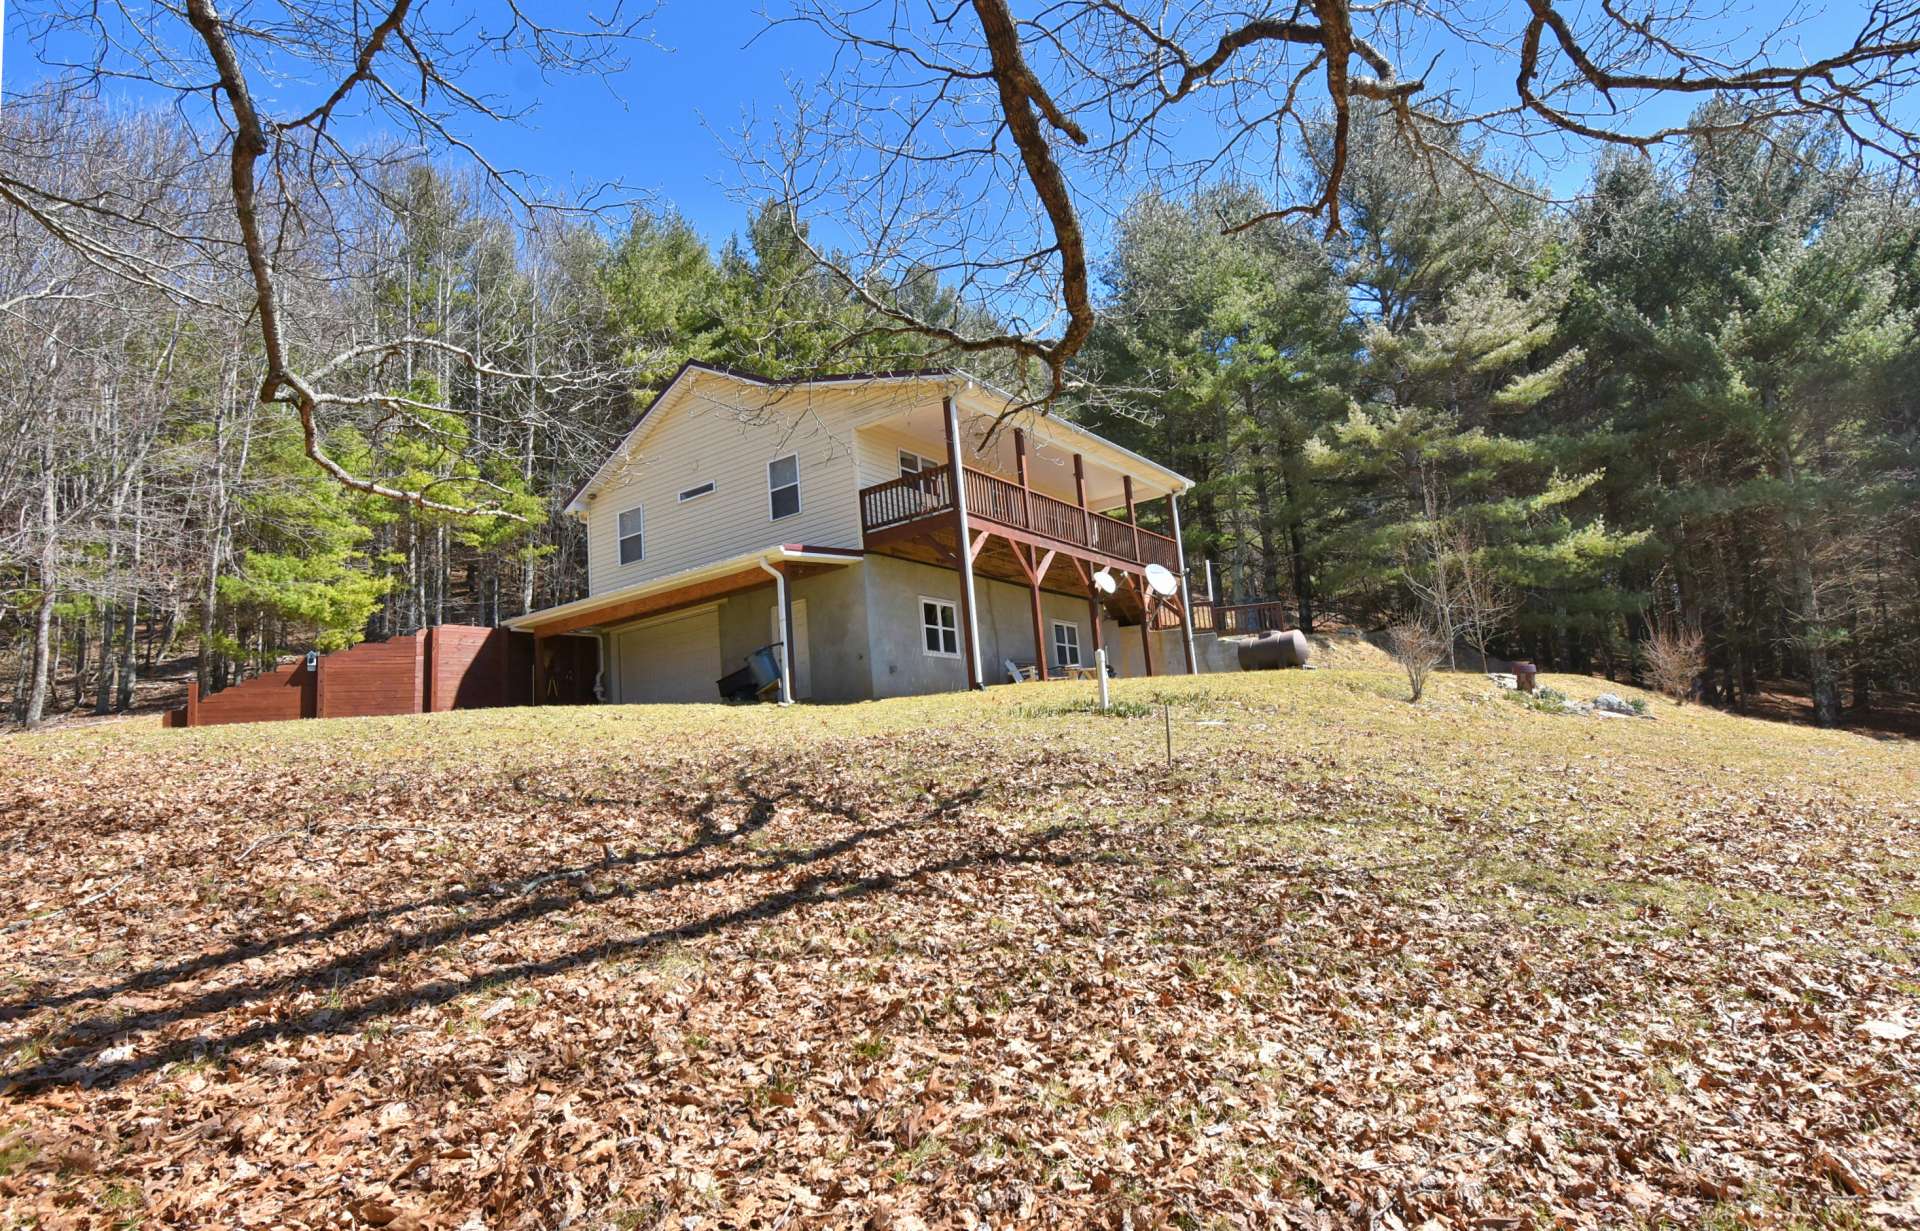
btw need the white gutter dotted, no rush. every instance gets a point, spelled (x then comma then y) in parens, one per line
(786, 631)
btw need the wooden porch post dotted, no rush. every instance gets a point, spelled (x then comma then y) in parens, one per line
(1186, 601)
(957, 477)
(1086, 531)
(1146, 619)
(539, 669)
(1080, 498)
(1133, 520)
(1032, 564)
(1020, 469)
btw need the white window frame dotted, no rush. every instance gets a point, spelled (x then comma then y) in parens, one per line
(946, 604)
(620, 537)
(1053, 642)
(926, 463)
(704, 488)
(797, 502)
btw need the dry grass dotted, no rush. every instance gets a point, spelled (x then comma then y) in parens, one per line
(963, 959)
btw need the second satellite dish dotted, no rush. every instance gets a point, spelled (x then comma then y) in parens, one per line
(1103, 581)
(1161, 581)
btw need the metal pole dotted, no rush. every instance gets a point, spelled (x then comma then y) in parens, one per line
(1186, 608)
(1100, 673)
(957, 475)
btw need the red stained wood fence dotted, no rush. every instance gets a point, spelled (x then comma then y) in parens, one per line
(447, 667)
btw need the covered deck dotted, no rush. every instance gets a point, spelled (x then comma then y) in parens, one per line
(958, 515)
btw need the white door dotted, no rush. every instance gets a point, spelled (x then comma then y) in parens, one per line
(802, 661)
(675, 658)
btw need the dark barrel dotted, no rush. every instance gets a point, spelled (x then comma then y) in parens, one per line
(1271, 651)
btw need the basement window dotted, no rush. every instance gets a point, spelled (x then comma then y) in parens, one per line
(696, 491)
(633, 539)
(940, 628)
(1066, 643)
(783, 486)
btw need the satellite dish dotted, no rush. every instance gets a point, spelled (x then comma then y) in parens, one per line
(1103, 581)
(1161, 582)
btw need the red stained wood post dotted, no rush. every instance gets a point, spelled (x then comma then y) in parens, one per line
(1020, 469)
(1147, 600)
(1133, 519)
(193, 703)
(957, 475)
(1028, 556)
(1086, 522)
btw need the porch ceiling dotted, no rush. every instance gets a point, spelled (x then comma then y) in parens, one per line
(1051, 444)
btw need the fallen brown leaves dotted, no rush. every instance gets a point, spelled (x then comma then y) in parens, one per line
(730, 969)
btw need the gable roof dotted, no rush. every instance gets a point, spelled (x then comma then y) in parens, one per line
(942, 377)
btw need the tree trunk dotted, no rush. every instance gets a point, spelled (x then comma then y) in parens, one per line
(1821, 679)
(43, 617)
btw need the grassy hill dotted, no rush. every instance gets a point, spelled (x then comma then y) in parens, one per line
(966, 960)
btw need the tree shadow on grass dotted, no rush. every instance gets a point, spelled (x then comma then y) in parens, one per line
(707, 835)
(77, 1062)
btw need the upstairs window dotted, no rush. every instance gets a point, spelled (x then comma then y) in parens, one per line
(783, 486)
(912, 464)
(633, 538)
(696, 491)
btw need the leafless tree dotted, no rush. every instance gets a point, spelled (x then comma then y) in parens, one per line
(1676, 654)
(1463, 596)
(288, 177)
(1418, 647)
(976, 144)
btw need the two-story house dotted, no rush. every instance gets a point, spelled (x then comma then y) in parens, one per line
(902, 532)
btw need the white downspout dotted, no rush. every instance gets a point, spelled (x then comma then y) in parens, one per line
(957, 476)
(1186, 607)
(786, 633)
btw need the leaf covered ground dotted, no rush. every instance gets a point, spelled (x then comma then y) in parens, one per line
(965, 961)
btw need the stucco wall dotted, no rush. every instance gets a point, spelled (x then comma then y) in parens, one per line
(902, 667)
(836, 630)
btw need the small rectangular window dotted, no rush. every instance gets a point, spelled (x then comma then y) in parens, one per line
(940, 628)
(633, 539)
(783, 486)
(695, 492)
(1066, 643)
(912, 464)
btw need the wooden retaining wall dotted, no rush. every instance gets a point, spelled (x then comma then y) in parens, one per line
(447, 667)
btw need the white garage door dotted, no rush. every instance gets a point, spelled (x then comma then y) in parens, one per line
(676, 658)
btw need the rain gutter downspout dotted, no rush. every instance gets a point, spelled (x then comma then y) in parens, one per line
(786, 631)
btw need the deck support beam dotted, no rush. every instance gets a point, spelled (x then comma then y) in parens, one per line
(539, 669)
(957, 478)
(1028, 566)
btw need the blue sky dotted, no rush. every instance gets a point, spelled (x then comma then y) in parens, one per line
(661, 126)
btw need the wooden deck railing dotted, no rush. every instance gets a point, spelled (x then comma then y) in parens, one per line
(1232, 619)
(991, 498)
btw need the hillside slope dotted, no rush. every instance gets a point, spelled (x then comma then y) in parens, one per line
(964, 960)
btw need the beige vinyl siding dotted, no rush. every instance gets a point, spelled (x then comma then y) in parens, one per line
(877, 452)
(721, 432)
